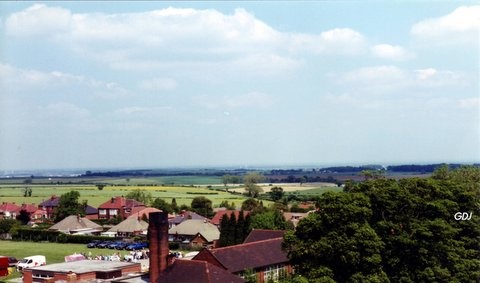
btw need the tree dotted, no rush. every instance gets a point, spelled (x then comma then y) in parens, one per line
(251, 180)
(23, 217)
(227, 205)
(250, 204)
(6, 225)
(100, 186)
(161, 204)
(383, 230)
(68, 205)
(140, 195)
(276, 193)
(174, 206)
(27, 192)
(271, 220)
(202, 206)
(225, 232)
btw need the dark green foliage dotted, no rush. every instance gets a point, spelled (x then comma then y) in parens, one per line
(271, 220)
(37, 235)
(229, 206)
(233, 231)
(7, 224)
(276, 193)
(174, 206)
(23, 217)
(384, 230)
(202, 206)
(68, 205)
(161, 204)
(225, 232)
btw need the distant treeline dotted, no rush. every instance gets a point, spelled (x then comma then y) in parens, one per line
(293, 174)
(430, 168)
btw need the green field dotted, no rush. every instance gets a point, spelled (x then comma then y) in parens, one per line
(95, 197)
(317, 191)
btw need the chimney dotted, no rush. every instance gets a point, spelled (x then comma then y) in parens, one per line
(158, 236)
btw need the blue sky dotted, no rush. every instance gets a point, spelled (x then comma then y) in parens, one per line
(169, 84)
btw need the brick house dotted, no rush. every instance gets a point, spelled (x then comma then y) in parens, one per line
(118, 207)
(265, 258)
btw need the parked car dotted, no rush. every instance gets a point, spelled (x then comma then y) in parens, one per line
(31, 261)
(136, 246)
(122, 245)
(93, 244)
(114, 245)
(104, 244)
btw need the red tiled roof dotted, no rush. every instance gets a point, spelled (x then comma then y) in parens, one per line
(120, 202)
(194, 271)
(10, 207)
(246, 256)
(30, 208)
(218, 216)
(262, 234)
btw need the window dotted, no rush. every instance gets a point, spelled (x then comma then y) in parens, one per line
(102, 211)
(274, 272)
(113, 212)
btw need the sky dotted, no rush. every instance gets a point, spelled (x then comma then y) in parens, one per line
(210, 84)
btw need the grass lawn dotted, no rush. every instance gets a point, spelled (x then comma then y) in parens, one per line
(54, 252)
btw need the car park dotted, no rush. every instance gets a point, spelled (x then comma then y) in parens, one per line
(93, 244)
(104, 244)
(136, 246)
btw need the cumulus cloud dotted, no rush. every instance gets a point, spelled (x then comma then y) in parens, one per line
(392, 78)
(175, 37)
(459, 27)
(391, 52)
(17, 81)
(336, 41)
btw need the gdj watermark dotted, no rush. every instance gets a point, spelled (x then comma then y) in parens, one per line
(462, 216)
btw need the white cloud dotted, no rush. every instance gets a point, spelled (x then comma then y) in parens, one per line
(391, 78)
(336, 41)
(176, 38)
(158, 84)
(391, 52)
(229, 102)
(459, 27)
(18, 81)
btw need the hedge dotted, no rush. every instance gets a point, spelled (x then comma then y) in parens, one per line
(36, 235)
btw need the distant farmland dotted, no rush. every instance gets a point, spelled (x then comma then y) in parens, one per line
(95, 197)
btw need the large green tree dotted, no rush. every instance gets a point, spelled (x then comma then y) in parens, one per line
(68, 204)
(162, 205)
(202, 206)
(384, 230)
(251, 181)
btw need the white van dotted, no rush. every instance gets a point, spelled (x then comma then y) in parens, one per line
(31, 261)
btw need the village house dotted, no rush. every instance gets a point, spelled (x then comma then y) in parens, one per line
(185, 215)
(9, 210)
(194, 233)
(49, 206)
(74, 224)
(265, 258)
(130, 227)
(118, 207)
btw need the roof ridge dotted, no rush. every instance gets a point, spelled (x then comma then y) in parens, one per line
(245, 244)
